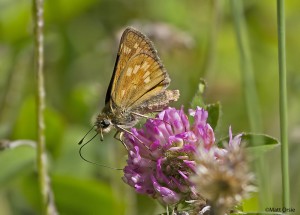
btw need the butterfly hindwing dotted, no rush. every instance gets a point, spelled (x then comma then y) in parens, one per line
(155, 103)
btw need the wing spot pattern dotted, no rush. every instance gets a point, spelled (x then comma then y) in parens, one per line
(136, 69)
(145, 66)
(127, 50)
(146, 74)
(147, 80)
(129, 71)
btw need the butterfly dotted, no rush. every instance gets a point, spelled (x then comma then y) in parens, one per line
(137, 87)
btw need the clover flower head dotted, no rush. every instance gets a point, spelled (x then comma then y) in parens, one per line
(161, 154)
(223, 176)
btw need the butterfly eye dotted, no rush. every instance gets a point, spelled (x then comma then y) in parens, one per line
(104, 123)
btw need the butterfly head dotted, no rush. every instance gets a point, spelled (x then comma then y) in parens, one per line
(103, 124)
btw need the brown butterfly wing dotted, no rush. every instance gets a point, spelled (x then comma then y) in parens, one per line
(132, 43)
(143, 78)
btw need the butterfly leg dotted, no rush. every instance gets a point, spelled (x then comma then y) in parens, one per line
(129, 132)
(148, 117)
(119, 136)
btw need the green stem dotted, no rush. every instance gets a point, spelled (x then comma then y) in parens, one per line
(283, 104)
(248, 78)
(210, 54)
(250, 93)
(44, 180)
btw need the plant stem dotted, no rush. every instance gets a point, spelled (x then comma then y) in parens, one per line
(250, 93)
(248, 78)
(44, 180)
(283, 104)
(210, 54)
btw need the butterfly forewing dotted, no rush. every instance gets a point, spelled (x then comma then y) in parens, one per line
(132, 43)
(142, 78)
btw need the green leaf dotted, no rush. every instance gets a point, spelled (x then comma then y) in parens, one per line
(73, 195)
(198, 98)
(65, 9)
(78, 196)
(214, 112)
(14, 162)
(14, 20)
(258, 143)
(25, 126)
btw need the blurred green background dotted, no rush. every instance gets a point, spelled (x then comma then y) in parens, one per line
(195, 39)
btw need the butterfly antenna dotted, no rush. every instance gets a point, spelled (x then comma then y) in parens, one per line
(80, 153)
(80, 142)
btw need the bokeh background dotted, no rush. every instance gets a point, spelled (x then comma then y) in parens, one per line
(195, 39)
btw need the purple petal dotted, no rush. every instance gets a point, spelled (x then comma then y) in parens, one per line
(159, 173)
(161, 154)
(168, 196)
(182, 174)
(181, 187)
(184, 119)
